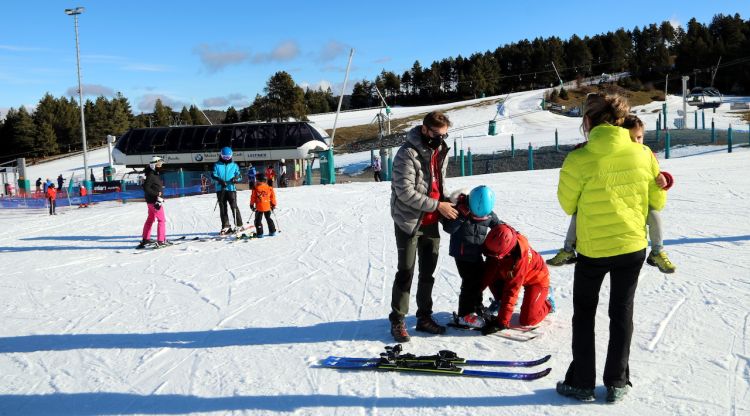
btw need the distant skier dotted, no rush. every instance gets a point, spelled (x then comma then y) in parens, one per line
(468, 231)
(251, 173)
(262, 202)
(39, 185)
(51, 195)
(282, 174)
(226, 173)
(84, 196)
(153, 188)
(376, 168)
(513, 265)
(60, 181)
(270, 175)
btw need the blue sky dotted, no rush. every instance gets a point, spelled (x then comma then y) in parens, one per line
(217, 54)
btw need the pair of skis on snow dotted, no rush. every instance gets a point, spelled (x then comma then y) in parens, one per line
(443, 363)
(244, 233)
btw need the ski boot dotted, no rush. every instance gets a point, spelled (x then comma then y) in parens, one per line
(471, 320)
(562, 257)
(144, 243)
(661, 261)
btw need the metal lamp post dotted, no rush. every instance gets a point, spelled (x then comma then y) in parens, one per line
(75, 12)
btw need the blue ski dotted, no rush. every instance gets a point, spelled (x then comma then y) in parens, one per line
(456, 360)
(438, 367)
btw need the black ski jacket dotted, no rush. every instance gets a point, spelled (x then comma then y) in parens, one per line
(153, 185)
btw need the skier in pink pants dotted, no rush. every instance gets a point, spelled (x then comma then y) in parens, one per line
(153, 188)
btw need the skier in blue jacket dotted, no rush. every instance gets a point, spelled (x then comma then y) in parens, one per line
(226, 173)
(251, 173)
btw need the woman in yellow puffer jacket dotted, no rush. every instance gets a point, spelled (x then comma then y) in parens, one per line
(610, 185)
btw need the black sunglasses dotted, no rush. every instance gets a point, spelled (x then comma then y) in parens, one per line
(435, 135)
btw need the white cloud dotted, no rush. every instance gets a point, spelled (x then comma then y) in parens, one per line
(215, 59)
(16, 48)
(285, 51)
(383, 60)
(147, 102)
(332, 50)
(94, 90)
(234, 100)
(146, 67)
(675, 22)
(322, 84)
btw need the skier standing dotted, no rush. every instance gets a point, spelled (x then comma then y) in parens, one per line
(262, 202)
(84, 196)
(270, 175)
(226, 173)
(153, 189)
(282, 176)
(468, 231)
(376, 168)
(251, 173)
(51, 195)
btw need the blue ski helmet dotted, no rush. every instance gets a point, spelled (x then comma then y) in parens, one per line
(226, 153)
(481, 201)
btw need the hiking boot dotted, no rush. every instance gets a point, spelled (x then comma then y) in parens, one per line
(661, 261)
(563, 257)
(584, 395)
(427, 324)
(471, 320)
(616, 394)
(398, 330)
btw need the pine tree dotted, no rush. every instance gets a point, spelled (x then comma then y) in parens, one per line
(231, 116)
(162, 114)
(285, 99)
(21, 131)
(197, 116)
(185, 118)
(121, 115)
(45, 142)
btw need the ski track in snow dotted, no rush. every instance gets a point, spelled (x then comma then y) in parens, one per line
(663, 325)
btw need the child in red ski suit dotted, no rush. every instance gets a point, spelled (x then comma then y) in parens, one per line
(511, 265)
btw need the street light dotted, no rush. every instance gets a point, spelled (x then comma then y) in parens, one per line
(75, 12)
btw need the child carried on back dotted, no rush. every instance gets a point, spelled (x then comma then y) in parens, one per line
(657, 257)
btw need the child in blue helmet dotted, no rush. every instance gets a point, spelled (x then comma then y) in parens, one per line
(468, 231)
(226, 173)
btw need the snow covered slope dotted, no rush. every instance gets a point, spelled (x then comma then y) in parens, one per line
(90, 328)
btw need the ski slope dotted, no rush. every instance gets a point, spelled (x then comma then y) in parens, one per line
(90, 328)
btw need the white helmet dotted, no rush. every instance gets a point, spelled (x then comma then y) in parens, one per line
(155, 161)
(282, 161)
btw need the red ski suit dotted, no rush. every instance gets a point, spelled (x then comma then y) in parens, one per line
(505, 278)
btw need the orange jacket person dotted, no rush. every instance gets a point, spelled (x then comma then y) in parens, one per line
(511, 265)
(51, 194)
(263, 201)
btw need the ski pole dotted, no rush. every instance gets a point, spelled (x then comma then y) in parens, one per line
(278, 228)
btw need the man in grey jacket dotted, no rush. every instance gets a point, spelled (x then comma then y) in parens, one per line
(417, 203)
